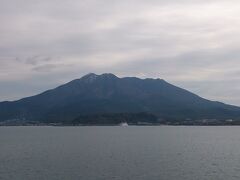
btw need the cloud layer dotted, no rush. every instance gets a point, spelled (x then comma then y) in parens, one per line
(191, 43)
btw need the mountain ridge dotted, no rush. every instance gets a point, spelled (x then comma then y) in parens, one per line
(107, 93)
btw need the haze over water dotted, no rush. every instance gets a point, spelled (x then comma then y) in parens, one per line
(129, 153)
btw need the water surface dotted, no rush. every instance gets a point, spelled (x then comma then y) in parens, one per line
(119, 153)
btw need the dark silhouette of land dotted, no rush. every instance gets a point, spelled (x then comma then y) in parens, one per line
(108, 100)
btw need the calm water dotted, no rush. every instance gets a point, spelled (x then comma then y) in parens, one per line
(119, 153)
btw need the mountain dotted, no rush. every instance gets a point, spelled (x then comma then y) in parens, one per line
(105, 94)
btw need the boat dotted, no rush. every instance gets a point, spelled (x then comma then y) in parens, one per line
(123, 124)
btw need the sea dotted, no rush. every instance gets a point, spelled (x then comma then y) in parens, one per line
(120, 153)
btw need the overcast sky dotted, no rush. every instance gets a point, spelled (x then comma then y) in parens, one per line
(194, 44)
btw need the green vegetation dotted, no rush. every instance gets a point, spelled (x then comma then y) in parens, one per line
(116, 118)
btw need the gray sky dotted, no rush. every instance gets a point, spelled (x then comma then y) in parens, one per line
(194, 44)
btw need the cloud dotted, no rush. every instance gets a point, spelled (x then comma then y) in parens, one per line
(191, 43)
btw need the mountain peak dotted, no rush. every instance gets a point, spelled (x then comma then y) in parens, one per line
(90, 77)
(108, 75)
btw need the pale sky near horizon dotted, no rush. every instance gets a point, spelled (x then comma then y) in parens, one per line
(194, 44)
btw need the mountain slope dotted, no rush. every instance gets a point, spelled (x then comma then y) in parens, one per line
(106, 93)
